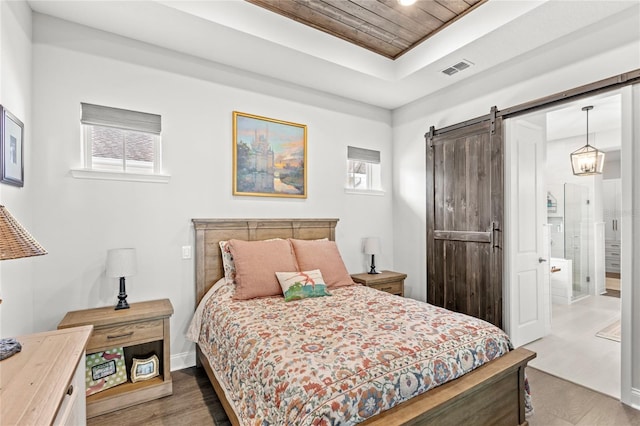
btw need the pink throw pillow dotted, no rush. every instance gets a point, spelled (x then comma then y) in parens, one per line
(323, 255)
(256, 265)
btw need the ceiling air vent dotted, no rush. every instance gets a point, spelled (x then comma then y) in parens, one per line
(460, 66)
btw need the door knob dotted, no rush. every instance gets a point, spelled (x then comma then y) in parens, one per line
(540, 260)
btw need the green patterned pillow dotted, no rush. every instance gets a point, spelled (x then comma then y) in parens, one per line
(301, 285)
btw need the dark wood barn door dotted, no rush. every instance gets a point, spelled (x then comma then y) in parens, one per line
(464, 218)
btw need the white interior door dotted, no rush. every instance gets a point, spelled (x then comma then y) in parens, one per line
(526, 253)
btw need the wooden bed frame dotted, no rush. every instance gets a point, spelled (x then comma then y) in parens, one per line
(490, 394)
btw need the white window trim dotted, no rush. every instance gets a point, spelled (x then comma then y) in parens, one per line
(88, 172)
(127, 176)
(376, 192)
(370, 188)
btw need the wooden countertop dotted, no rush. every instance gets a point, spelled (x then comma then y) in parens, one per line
(34, 381)
(379, 278)
(108, 316)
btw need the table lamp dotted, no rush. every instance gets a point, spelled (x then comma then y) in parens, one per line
(372, 246)
(121, 263)
(15, 243)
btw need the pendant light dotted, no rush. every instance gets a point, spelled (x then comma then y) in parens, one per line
(587, 160)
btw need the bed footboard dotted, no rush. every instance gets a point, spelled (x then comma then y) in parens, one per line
(490, 394)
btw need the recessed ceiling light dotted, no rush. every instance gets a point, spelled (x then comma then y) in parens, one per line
(406, 2)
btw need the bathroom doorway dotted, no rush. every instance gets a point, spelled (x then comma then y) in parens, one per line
(579, 245)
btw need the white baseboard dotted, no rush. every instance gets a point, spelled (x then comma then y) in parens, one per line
(183, 360)
(635, 398)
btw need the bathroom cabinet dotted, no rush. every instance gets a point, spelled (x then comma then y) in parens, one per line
(611, 206)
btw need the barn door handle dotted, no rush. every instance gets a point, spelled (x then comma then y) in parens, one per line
(492, 236)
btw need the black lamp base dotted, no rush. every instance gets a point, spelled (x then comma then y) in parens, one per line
(122, 297)
(373, 265)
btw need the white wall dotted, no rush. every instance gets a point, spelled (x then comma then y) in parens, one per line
(16, 276)
(78, 220)
(611, 165)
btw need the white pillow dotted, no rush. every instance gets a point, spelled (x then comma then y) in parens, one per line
(301, 285)
(227, 262)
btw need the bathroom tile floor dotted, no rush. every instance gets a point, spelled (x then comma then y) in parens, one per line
(573, 352)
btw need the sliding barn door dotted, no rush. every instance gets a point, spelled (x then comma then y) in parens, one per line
(464, 219)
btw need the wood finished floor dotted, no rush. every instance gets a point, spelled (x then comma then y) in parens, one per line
(556, 403)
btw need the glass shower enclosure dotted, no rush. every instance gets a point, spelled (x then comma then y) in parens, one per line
(577, 224)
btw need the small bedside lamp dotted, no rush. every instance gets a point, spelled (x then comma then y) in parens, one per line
(372, 246)
(121, 263)
(15, 243)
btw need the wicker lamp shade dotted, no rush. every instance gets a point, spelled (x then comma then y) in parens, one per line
(15, 241)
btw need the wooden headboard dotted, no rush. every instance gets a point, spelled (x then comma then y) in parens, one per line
(209, 232)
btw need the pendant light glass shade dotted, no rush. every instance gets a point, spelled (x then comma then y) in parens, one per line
(587, 160)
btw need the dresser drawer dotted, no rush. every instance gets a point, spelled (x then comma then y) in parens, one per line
(72, 410)
(392, 287)
(611, 244)
(612, 265)
(126, 335)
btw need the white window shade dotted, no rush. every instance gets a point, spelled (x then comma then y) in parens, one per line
(97, 115)
(363, 154)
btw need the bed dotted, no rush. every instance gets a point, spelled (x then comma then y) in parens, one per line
(492, 393)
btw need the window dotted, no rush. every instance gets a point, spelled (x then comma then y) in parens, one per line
(363, 170)
(120, 144)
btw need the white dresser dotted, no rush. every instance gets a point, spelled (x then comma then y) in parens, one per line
(45, 383)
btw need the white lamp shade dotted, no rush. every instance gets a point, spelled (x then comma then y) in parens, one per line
(371, 245)
(121, 262)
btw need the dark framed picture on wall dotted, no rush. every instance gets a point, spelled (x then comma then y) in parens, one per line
(11, 149)
(269, 157)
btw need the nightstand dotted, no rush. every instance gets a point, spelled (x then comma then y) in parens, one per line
(389, 281)
(141, 330)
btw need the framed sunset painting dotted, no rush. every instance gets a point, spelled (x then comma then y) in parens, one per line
(269, 157)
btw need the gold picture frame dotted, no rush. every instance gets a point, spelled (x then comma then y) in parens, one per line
(269, 157)
(144, 369)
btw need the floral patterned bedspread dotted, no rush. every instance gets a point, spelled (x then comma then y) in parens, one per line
(337, 359)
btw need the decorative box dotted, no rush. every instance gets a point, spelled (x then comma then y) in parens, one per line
(105, 370)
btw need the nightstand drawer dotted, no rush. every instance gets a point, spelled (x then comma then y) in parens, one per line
(393, 288)
(126, 335)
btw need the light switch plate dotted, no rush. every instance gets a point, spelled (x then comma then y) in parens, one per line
(186, 252)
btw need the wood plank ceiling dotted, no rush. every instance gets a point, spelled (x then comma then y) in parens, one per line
(382, 26)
